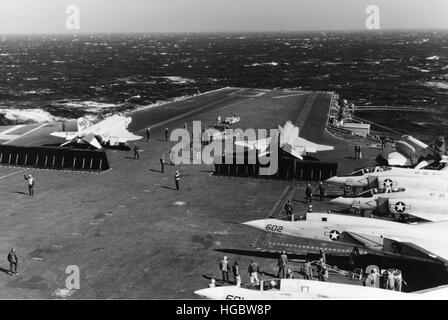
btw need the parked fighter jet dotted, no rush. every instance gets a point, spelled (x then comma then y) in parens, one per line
(410, 151)
(288, 289)
(361, 177)
(399, 202)
(424, 242)
(109, 132)
(289, 141)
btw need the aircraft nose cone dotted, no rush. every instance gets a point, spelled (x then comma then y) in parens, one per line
(204, 293)
(341, 201)
(336, 180)
(217, 293)
(257, 224)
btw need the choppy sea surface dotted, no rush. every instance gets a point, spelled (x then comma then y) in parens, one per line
(55, 77)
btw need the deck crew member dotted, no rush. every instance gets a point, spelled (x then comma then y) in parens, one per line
(30, 180)
(177, 179)
(136, 149)
(13, 260)
(253, 271)
(383, 142)
(185, 126)
(282, 262)
(322, 256)
(162, 163)
(289, 208)
(310, 208)
(309, 193)
(307, 270)
(212, 283)
(322, 191)
(371, 278)
(356, 152)
(63, 126)
(148, 134)
(236, 273)
(166, 134)
(224, 266)
(322, 270)
(390, 280)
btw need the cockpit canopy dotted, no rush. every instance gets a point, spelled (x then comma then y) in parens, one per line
(363, 171)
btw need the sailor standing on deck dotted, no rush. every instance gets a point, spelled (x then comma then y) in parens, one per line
(322, 256)
(322, 191)
(177, 179)
(13, 260)
(309, 193)
(307, 271)
(166, 134)
(162, 163)
(236, 273)
(289, 208)
(282, 262)
(30, 180)
(253, 271)
(136, 149)
(148, 134)
(224, 266)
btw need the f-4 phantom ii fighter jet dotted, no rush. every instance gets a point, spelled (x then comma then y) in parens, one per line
(288, 140)
(421, 242)
(111, 131)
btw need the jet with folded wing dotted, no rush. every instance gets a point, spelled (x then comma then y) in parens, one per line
(422, 242)
(111, 131)
(362, 176)
(432, 208)
(293, 289)
(288, 140)
(409, 151)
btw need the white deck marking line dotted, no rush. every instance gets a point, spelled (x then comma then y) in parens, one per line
(12, 129)
(289, 95)
(41, 126)
(8, 175)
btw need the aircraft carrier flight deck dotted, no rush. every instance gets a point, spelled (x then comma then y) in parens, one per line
(131, 233)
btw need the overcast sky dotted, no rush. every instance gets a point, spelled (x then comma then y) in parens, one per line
(48, 16)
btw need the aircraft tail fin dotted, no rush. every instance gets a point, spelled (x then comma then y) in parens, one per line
(83, 123)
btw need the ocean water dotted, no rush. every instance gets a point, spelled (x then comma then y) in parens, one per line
(55, 77)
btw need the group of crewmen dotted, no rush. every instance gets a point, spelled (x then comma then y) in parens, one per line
(253, 269)
(283, 271)
(177, 176)
(289, 209)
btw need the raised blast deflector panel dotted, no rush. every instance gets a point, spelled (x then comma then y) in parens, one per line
(54, 158)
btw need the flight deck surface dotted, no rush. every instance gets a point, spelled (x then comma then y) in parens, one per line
(130, 232)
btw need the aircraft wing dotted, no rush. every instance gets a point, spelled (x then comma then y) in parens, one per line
(434, 217)
(69, 135)
(309, 146)
(415, 247)
(127, 137)
(261, 144)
